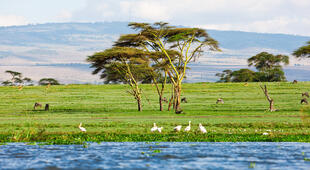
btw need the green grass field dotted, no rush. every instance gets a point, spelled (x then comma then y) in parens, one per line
(110, 114)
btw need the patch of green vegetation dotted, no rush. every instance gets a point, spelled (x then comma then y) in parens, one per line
(252, 165)
(109, 114)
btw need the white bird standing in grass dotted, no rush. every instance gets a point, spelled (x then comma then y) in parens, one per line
(188, 128)
(159, 129)
(154, 128)
(177, 128)
(81, 128)
(202, 129)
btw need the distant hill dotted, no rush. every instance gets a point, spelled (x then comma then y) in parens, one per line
(46, 50)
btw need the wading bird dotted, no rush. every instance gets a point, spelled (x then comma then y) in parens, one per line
(202, 129)
(177, 128)
(154, 128)
(188, 128)
(81, 128)
(159, 129)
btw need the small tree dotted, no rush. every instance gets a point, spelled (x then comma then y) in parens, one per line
(15, 80)
(27, 81)
(270, 100)
(243, 75)
(225, 76)
(303, 52)
(269, 66)
(7, 83)
(131, 64)
(47, 81)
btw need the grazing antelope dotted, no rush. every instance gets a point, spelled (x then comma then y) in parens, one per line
(184, 100)
(178, 111)
(305, 94)
(37, 105)
(295, 82)
(165, 100)
(47, 107)
(220, 100)
(304, 100)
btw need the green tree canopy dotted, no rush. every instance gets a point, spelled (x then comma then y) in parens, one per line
(112, 64)
(243, 75)
(46, 81)
(269, 68)
(303, 51)
(225, 76)
(17, 79)
(265, 61)
(126, 64)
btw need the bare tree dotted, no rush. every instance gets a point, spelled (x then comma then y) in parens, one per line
(270, 100)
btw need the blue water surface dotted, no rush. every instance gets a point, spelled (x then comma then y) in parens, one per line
(163, 155)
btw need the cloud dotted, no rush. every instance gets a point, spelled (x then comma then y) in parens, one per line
(284, 25)
(10, 20)
(276, 16)
(64, 16)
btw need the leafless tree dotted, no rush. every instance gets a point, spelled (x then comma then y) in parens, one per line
(270, 100)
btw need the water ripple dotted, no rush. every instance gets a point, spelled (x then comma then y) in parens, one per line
(140, 155)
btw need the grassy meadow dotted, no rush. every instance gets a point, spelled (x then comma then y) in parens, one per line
(109, 113)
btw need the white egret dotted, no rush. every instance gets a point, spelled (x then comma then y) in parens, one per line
(159, 129)
(188, 128)
(177, 128)
(265, 133)
(202, 129)
(81, 128)
(154, 128)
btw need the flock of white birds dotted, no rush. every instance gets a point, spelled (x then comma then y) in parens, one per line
(159, 129)
(179, 127)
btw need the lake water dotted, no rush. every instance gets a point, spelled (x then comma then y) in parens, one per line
(163, 155)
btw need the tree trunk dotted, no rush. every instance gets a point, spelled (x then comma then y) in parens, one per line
(178, 98)
(139, 104)
(271, 107)
(160, 103)
(171, 101)
(270, 100)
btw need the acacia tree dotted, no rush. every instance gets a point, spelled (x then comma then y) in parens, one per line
(47, 81)
(159, 63)
(269, 66)
(27, 81)
(160, 66)
(131, 64)
(16, 77)
(303, 52)
(225, 76)
(187, 42)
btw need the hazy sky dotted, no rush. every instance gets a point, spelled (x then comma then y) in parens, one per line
(273, 16)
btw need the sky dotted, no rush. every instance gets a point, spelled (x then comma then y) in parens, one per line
(267, 16)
